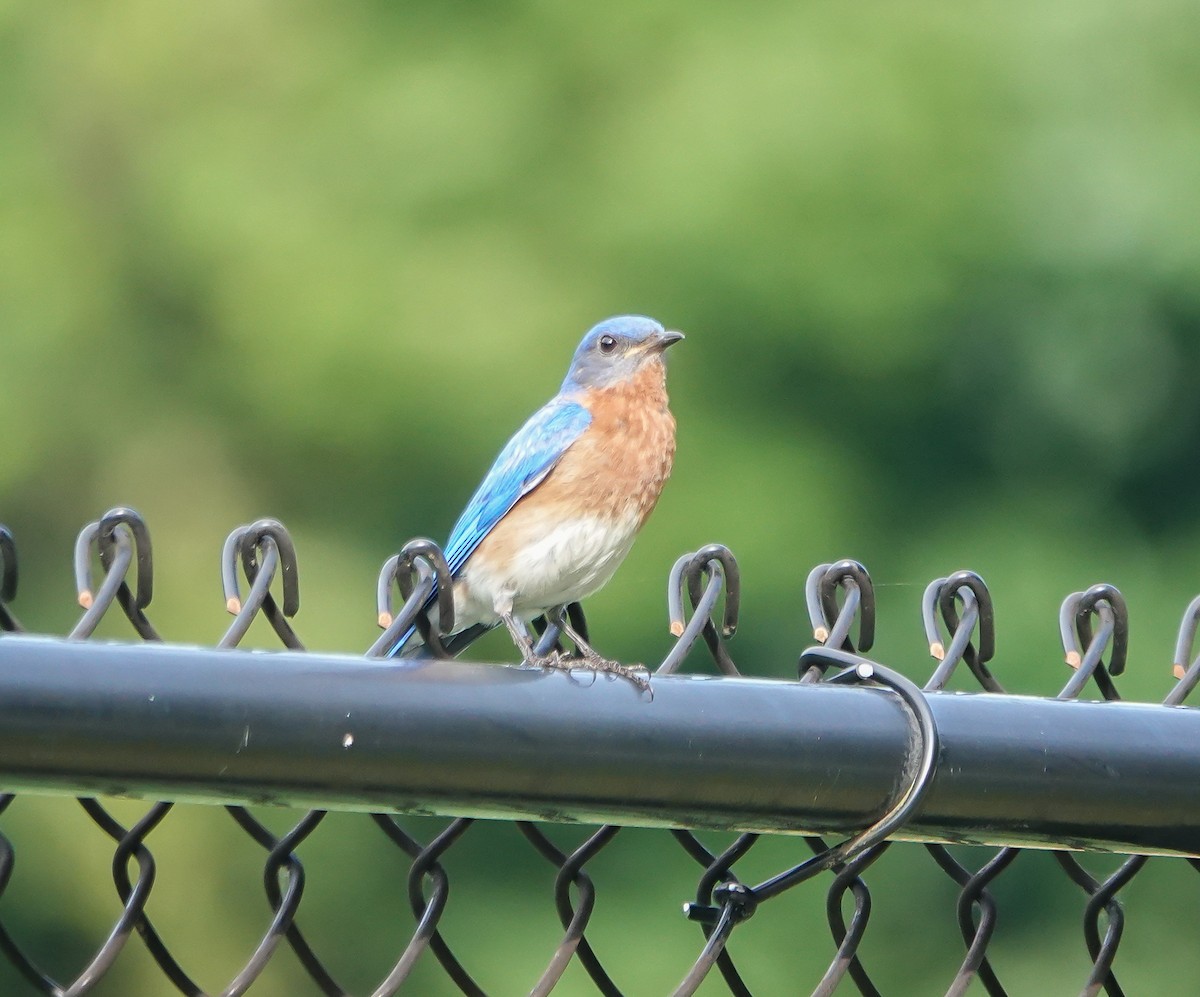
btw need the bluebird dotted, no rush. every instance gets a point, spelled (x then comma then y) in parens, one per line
(559, 509)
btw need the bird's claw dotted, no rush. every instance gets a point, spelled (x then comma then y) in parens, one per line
(639, 675)
(554, 660)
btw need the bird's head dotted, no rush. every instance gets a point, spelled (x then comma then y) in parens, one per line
(617, 349)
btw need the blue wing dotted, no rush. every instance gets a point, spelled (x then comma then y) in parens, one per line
(523, 463)
(525, 460)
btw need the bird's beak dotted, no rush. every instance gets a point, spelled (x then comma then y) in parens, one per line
(661, 340)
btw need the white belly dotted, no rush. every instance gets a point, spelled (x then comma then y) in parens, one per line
(567, 563)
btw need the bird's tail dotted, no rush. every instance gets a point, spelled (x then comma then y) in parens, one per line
(398, 649)
(409, 644)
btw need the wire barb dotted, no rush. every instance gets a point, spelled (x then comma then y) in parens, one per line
(1186, 667)
(972, 633)
(705, 574)
(1084, 646)
(264, 550)
(831, 623)
(119, 539)
(421, 573)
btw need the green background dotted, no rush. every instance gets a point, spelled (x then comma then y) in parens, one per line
(939, 271)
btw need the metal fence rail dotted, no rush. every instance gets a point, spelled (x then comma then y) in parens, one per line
(850, 750)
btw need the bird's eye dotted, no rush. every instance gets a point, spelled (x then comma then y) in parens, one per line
(607, 344)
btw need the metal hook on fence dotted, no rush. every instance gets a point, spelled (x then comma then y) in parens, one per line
(120, 537)
(738, 901)
(920, 763)
(831, 624)
(706, 573)
(421, 573)
(1085, 647)
(265, 550)
(977, 618)
(8, 578)
(734, 902)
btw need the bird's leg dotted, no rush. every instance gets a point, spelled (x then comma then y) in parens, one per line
(519, 635)
(639, 675)
(530, 654)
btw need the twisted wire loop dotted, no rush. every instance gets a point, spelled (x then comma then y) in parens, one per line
(1085, 646)
(120, 539)
(265, 552)
(421, 573)
(734, 902)
(574, 918)
(832, 623)
(968, 637)
(705, 575)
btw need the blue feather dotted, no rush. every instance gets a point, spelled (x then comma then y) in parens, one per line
(520, 467)
(525, 460)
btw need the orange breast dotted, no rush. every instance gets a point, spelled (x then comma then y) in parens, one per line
(619, 466)
(616, 470)
(612, 475)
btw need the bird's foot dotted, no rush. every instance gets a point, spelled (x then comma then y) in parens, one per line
(553, 661)
(639, 675)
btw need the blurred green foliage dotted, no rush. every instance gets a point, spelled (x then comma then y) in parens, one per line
(939, 272)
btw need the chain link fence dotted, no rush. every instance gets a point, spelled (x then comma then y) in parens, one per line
(920, 764)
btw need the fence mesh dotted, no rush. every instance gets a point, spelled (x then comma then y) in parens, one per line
(735, 880)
